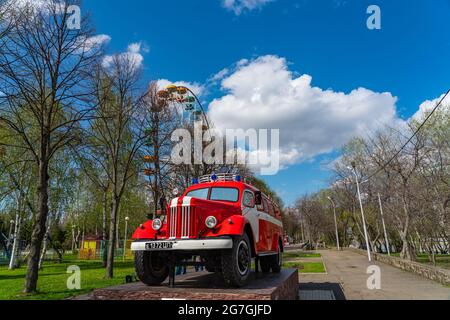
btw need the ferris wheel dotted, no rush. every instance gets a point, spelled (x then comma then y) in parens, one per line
(187, 105)
(186, 102)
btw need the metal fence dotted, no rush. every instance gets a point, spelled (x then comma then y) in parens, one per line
(5, 255)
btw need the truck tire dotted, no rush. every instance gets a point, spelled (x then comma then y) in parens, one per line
(265, 263)
(150, 268)
(236, 262)
(277, 261)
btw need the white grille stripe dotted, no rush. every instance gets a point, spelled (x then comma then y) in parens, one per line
(173, 222)
(184, 213)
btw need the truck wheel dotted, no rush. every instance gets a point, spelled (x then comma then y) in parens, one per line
(277, 261)
(265, 263)
(236, 263)
(150, 268)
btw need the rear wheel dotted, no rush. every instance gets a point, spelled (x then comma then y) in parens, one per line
(277, 260)
(265, 263)
(150, 267)
(236, 263)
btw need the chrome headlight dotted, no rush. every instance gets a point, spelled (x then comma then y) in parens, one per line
(211, 222)
(156, 224)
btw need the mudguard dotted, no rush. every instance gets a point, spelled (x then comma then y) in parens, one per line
(231, 226)
(146, 232)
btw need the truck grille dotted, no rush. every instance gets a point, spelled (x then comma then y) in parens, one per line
(181, 222)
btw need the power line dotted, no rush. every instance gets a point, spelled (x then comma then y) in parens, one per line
(412, 137)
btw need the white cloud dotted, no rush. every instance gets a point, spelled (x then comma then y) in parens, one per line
(42, 6)
(133, 55)
(429, 105)
(93, 42)
(219, 75)
(239, 6)
(263, 93)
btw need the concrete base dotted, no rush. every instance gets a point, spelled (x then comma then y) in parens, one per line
(207, 286)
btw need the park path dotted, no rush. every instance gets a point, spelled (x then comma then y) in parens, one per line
(346, 272)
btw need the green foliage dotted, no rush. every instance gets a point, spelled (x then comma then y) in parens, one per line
(264, 187)
(53, 278)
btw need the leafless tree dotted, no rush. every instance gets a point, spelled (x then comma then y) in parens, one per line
(116, 135)
(44, 64)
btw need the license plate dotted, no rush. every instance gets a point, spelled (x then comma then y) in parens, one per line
(159, 245)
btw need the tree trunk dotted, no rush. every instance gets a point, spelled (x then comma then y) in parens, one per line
(407, 253)
(44, 248)
(112, 237)
(104, 230)
(14, 262)
(39, 228)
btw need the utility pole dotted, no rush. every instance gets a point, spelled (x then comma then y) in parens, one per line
(335, 223)
(384, 226)
(362, 212)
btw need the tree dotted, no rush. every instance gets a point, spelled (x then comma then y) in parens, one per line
(161, 119)
(117, 133)
(44, 65)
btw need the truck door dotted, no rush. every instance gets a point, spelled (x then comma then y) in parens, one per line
(250, 211)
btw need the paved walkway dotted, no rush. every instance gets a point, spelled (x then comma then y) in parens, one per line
(347, 272)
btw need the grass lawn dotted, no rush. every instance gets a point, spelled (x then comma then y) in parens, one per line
(298, 254)
(53, 278)
(306, 267)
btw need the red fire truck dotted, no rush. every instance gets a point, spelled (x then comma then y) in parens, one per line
(219, 218)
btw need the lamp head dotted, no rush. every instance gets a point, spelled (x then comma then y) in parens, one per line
(353, 164)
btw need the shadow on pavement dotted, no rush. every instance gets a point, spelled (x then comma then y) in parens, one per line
(321, 291)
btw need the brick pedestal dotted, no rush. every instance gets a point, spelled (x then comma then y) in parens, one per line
(206, 286)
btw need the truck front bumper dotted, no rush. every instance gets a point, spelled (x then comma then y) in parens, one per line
(183, 245)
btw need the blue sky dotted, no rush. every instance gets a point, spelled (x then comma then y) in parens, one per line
(326, 39)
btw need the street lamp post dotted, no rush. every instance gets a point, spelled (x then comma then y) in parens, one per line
(362, 212)
(384, 227)
(125, 239)
(335, 223)
(73, 237)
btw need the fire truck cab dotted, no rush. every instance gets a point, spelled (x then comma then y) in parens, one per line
(222, 221)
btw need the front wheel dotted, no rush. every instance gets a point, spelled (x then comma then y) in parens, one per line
(236, 263)
(150, 267)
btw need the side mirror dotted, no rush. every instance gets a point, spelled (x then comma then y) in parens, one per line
(258, 198)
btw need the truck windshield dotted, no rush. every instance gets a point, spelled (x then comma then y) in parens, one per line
(199, 194)
(217, 194)
(224, 194)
